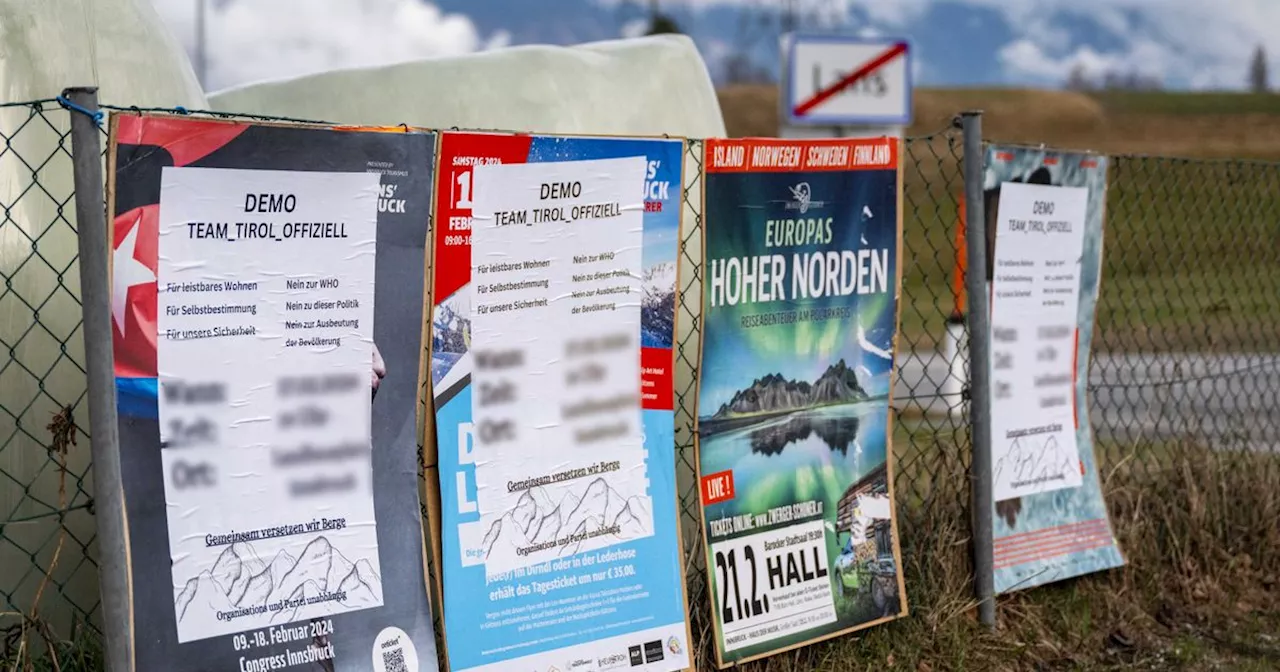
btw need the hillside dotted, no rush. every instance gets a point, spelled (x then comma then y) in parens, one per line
(1218, 125)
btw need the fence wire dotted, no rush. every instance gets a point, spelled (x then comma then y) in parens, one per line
(47, 547)
(1188, 316)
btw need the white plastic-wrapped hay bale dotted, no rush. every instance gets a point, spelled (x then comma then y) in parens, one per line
(645, 86)
(122, 47)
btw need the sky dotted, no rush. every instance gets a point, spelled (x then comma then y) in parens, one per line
(1187, 44)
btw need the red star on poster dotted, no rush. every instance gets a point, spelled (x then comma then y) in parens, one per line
(134, 263)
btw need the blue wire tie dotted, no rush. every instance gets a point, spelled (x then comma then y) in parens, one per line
(180, 109)
(96, 114)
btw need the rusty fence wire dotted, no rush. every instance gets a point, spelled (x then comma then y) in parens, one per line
(1188, 327)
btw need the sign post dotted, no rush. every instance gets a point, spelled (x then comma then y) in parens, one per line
(845, 86)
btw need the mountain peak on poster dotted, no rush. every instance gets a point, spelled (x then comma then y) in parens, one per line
(775, 393)
(658, 307)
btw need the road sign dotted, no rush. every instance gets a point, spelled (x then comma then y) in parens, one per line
(840, 80)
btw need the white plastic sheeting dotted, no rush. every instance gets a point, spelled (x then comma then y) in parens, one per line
(122, 47)
(645, 86)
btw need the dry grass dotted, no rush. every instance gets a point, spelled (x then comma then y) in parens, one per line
(1199, 592)
(32, 646)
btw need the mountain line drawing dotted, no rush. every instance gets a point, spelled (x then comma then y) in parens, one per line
(1029, 458)
(538, 519)
(774, 393)
(240, 579)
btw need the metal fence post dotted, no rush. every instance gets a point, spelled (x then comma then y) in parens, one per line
(979, 368)
(95, 296)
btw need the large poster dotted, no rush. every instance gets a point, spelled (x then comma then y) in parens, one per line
(794, 424)
(551, 355)
(268, 314)
(1045, 222)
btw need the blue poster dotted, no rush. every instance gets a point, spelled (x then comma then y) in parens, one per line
(1063, 530)
(618, 604)
(795, 460)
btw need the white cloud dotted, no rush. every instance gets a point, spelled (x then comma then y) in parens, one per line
(829, 13)
(1113, 20)
(1026, 58)
(249, 40)
(1196, 43)
(1047, 33)
(716, 51)
(635, 28)
(918, 69)
(892, 12)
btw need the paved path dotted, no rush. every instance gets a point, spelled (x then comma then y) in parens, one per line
(1222, 400)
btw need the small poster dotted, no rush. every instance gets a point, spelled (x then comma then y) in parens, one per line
(268, 340)
(796, 470)
(1035, 300)
(554, 288)
(1045, 218)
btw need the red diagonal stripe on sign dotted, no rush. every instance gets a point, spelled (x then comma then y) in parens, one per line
(869, 67)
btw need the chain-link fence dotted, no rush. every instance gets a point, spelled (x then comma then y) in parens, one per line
(1188, 318)
(47, 539)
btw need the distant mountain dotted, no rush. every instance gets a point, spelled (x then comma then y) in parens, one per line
(452, 329)
(658, 307)
(775, 393)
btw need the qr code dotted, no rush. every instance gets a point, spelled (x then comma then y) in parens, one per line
(393, 661)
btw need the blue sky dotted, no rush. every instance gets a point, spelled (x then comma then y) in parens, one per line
(1188, 44)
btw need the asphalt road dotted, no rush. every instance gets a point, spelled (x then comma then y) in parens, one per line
(1223, 401)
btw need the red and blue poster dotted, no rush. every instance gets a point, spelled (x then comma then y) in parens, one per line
(267, 310)
(557, 553)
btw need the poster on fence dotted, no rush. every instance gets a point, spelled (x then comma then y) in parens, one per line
(267, 303)
(554, 281)
(800, 301)
(1045, 216)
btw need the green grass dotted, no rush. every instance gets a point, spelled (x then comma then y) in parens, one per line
(1191, 258)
